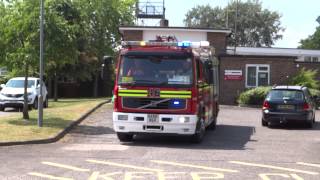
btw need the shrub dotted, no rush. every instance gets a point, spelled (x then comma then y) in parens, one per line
(306, 78)
(315, 92)
(253, 96)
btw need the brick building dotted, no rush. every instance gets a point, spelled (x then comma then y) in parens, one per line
(240, 67)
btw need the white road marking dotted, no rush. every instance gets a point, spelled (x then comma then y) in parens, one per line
(194, 166)
(48, 176)
(274, 167)
(95, 147)
(309, 164)
(265, 176)
(122, 165)
(65, 166)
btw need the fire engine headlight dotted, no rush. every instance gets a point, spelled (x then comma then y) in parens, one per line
(184, 119)
(122, 117)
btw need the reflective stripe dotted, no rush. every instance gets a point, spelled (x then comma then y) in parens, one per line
(175, 96)
(175, 92)
(132, 91)
(132, 95)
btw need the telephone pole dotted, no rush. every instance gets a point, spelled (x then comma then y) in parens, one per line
(40, 98)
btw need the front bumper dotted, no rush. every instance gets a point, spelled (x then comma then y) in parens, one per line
(14, 102)
(287, 117)
(167, 123)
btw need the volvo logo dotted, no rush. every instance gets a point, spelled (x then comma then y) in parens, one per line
(154, 92)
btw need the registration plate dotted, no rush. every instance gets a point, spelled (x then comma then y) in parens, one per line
(287, 107)
(153, 118)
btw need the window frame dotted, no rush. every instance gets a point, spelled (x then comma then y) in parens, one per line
(257, 73)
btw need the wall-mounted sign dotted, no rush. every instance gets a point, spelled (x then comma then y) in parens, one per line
(232, 74)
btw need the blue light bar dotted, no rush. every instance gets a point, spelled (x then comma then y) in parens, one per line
(184, 44)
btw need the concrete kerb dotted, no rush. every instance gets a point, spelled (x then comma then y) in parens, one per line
(60, 135)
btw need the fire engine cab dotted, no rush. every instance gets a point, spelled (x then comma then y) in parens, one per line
(165, 88)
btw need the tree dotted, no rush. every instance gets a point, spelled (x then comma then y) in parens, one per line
(61, 35)
(20, 36)
(312, 42)
(101, 20)
(306, 78)
(255, 27)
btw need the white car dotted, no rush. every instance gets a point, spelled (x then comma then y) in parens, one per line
(11, 94)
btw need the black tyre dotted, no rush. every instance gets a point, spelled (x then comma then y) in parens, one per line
(35, 103)
(200, 131)
(46, 103)
(125, 137)
(310, 123)
(264, 123)
(213, 124)
(1, 108)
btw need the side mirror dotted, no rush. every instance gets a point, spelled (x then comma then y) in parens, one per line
(2, 86)
(107, 59)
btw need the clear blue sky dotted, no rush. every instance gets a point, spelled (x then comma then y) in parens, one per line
(298, 16)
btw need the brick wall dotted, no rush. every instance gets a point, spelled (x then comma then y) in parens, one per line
(132, 35)
(218, 40)
(280, 68)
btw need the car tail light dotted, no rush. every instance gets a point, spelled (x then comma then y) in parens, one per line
(306, 106)
(266, 105)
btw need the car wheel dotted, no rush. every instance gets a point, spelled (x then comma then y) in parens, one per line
(35, 103)
(1, 108)
(200, 131)
(125, 137)
(264, 123)
(310, 123)
(46, 103)
(314, 119)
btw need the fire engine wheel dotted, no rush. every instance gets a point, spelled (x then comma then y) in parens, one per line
(125, 137)
(213, 124)
(200, 131)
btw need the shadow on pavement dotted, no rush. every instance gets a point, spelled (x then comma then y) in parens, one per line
(296, 126)
(92, 130)
(226, 137)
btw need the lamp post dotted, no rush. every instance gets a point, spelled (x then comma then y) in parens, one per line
(40, 98)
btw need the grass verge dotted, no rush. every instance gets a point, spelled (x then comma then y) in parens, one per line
(57, 117)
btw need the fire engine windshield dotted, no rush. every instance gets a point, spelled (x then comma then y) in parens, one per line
(156, 71)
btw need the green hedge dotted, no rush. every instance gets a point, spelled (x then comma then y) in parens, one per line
(256, 96)
(253, 96)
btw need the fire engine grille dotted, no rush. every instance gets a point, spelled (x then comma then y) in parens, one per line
(153, 103)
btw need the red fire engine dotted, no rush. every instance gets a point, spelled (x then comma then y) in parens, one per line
(165, 88)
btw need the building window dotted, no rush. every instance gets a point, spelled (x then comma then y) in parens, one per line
(257, 75)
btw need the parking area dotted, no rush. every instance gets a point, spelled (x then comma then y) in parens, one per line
(240, 148)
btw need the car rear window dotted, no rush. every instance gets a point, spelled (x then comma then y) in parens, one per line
(285, 94)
